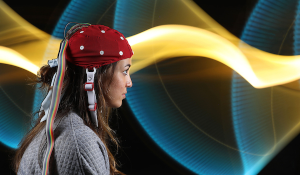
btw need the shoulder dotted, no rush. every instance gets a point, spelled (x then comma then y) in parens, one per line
(78, 142)
(73, 127)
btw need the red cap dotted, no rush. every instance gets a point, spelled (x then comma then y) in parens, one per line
(97, 45)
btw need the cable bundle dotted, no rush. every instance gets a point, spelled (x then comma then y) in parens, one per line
(57, 88)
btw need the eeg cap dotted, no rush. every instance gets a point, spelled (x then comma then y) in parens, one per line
(97, 45)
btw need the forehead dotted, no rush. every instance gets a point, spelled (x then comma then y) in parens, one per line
(124, 62)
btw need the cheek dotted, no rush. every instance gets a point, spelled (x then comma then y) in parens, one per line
(118, 84)
(121, 84)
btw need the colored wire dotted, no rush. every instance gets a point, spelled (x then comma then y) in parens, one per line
(55, 100)
(57, 88)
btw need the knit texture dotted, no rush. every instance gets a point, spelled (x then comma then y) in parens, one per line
(77, 150)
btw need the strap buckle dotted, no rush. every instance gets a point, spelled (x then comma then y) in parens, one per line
(89, 86)
(93, 107)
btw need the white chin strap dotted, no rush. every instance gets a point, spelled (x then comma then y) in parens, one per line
(89, 88)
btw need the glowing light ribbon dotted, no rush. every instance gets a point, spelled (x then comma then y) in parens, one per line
(212, 41)
(11, 57)
(259, 68)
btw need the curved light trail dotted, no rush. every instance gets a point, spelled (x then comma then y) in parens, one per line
(25, 46)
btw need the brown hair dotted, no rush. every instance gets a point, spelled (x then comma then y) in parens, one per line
(75, 99)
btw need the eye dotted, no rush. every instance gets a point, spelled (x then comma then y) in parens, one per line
(125, 72)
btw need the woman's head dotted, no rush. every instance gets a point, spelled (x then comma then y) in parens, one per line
(95, 46)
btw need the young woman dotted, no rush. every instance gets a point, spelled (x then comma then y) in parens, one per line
(90, 76)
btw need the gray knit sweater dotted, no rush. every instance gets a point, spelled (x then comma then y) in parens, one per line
(77, 150)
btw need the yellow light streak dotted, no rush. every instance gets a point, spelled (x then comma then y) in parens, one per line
(259, 68)
(210, 39)
(11, 57)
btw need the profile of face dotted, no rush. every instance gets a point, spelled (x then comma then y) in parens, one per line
(120, 82)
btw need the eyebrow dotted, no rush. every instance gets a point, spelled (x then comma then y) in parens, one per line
(128, 65)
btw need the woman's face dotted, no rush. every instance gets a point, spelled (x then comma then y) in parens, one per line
(120, 82)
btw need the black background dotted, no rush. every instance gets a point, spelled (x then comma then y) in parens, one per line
(139, 155)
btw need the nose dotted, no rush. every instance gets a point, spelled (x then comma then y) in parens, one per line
(129, 82)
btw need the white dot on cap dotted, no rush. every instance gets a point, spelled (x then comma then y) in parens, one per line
(101, 52)
(81, 31)
(121, 53)
(81, 47)
(122, 38)
(102, 31)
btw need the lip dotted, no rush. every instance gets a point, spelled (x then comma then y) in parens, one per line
(124, 95)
